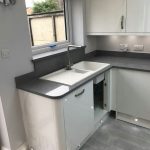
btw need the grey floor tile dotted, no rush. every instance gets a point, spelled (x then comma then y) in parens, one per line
(118, 135)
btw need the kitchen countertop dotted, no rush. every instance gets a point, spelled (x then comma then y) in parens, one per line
(124, 62)
(52, 89)
(57, 91)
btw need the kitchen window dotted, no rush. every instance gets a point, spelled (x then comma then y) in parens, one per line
(47, 22)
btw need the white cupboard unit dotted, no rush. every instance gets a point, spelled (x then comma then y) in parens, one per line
(79, 115)
(138, 16)
(58, 124)
(113, 88)
(43, 122)
(120, 17)
(130, 96)
(107, 91)
(105, 16)
(133, 96)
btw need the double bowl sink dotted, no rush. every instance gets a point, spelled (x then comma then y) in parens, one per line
(79, 72)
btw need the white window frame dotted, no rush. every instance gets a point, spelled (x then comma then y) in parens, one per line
(59, 45)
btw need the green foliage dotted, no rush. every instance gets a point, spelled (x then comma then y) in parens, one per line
(45, 6)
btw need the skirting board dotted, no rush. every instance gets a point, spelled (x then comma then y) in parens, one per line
(3, 148)
(130, 119)
(23, 147)
(97, 125)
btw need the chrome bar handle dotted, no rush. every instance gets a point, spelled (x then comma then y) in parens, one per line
(76, 95)
(122, 22)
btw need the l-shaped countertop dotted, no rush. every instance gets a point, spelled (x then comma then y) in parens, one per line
(123, 60)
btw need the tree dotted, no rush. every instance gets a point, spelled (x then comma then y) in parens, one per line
(45, 6)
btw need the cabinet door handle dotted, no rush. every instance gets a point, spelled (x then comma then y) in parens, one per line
(122, 22)
(80, 93)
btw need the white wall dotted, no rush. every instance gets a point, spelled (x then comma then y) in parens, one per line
(79, 26)
(14, 36)
(77, 17)
(113, 42)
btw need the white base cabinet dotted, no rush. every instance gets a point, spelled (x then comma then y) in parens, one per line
(43, 122)
(113, 88)
(58, 124)
(131, 94)
(79, 115)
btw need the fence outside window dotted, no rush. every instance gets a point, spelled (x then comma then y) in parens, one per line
(47, 28)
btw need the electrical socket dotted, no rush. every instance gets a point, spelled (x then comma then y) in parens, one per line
(5, 53)
(138, 47)
(124, 47)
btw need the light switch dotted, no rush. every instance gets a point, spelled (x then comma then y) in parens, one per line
(5, 53)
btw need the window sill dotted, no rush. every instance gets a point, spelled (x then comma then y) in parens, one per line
(51, 53)
(47, 48)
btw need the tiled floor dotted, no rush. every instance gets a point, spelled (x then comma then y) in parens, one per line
(118, 135)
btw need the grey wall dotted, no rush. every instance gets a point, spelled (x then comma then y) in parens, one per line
(79, 26)
(77, 16)
(113, 42)
(91, 43)
(13, 36)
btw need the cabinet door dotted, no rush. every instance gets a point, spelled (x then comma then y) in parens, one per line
(79, 115)
(105, 16)
(133, 93)
(138, 16)
(113, 88)
(107, 92)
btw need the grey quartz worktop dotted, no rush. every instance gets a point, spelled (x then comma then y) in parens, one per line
(124, 62)
(52, 89)
(42, 87)
(115, 59)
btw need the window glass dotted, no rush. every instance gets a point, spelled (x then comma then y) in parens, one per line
(47, 21)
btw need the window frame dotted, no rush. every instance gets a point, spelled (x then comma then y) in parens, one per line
(59, 45)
